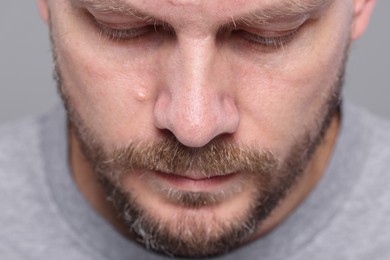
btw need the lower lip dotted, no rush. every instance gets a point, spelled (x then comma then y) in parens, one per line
(197, 185)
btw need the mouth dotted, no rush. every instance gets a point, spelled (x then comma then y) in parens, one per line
(198, 183)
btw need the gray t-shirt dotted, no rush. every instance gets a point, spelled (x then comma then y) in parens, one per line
(44, 216)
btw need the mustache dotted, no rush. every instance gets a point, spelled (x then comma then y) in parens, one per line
(219, 157)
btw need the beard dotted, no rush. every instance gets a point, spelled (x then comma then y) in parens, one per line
(189, 236)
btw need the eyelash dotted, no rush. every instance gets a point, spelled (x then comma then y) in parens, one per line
(275, 42)
(121, 35)
(126, 34)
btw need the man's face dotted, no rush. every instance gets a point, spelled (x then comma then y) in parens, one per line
(200, 114)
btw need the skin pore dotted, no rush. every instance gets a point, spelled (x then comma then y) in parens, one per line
(156, 91)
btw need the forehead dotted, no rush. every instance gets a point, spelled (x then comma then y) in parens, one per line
(207, 9)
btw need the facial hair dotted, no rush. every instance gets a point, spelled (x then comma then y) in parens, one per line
(188, 237)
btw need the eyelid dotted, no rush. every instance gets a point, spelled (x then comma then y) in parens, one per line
(287, 24)
(130, 31)
(125, 33)
(120, 26)
(271, 40)
(267, 33)
(274, 41)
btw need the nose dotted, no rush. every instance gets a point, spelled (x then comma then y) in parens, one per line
(196, 102)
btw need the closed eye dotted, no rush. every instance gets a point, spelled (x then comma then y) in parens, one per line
(276, 41)
(126, 34)
(123, 32)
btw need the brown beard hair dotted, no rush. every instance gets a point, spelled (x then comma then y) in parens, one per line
(220, 157)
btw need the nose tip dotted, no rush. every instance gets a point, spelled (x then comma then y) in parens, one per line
(196, 121)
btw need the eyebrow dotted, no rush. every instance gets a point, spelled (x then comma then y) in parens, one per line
(284, 10)
(281, 10)
(115, 6)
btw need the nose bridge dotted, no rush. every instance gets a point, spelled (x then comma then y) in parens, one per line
(197, 108)
(196, 94)
(196, 58)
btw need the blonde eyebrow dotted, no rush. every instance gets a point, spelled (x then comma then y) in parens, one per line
(283, 11)
(115, 6)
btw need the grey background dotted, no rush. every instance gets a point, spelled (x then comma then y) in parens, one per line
(27, 88)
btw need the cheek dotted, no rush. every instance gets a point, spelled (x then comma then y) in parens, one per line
(286, 99)
(109, 94)
(280, 104)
